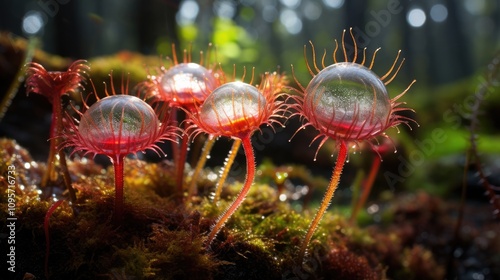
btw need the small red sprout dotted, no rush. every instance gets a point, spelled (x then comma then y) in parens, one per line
(53, 85)
(183, 85)
(116, 126)
(237, 110)
(349, 103)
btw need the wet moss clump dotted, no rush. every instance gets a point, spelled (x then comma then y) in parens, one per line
(163, 238)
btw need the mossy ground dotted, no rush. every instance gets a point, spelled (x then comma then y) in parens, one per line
(160, 237)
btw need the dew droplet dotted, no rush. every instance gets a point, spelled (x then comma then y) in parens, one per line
(282, 197)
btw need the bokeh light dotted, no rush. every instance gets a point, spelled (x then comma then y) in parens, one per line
(336, 4)
(32, 23)
(269, 13)
(439, 13)
(291, 21)
(225, 8)
(416, 17)
(188, 12)
(476, 7)
(291, 4)
(312, 10)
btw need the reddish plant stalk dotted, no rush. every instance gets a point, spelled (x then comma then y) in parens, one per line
(334, 182)
(49, 213)
(250, 162)
(55, 129)
(181, 162)
(57, 119)
(367, 187)
(175, 144)
(118, 167)
(55, 126)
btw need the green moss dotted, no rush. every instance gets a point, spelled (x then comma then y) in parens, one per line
(163, 238)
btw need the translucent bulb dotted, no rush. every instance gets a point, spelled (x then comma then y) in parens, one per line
(187, 83)
(233, 108)
(119, 124)
(347, 101)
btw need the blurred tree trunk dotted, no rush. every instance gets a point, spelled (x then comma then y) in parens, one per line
(355, 11)
(434, 69)
(67, 25)
(457, 43)
(405, 32)
(156, 19)
(205, 23)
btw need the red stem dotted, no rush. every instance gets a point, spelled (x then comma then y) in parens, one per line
(334, 182)
(118, 166)
(49, 213)
(175, 144)
(181, 162)
(67, 177)
(54, 129)
(56, 140)
(250, 157)
(367, 187)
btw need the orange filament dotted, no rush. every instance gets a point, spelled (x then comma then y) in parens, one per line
(334, 182)
(225, 171)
